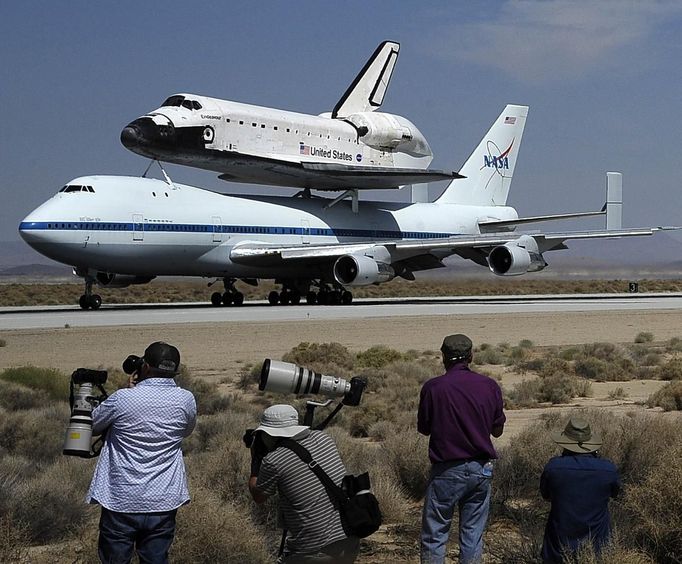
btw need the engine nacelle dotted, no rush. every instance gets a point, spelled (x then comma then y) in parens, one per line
(386, 131)
(107, 280)
(517, 257)
(360, 270)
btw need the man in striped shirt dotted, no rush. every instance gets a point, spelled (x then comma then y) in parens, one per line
(315, 533)
(140, 476)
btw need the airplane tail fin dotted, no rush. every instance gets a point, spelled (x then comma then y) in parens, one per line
(490, 167)
(366, 92)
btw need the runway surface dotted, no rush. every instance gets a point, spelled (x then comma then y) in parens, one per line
(48, 317)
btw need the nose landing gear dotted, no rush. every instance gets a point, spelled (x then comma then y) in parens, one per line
(89, 300)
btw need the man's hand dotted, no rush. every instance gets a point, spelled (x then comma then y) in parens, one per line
(257, 495)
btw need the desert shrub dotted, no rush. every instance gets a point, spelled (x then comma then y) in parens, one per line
(209, 530)
(569, 353)
(561, 388)
(406, 453)
(489, 356)
(674, 345)
(523, 394)
(601, 370)
(671, 370)
(654, 507)
(615, 552)
(617, 394)
(35, 433)
(15, 397)
(644, 337)
(249, 376)
(391, 496)
(209, 399)
(376, 357)
(215, 430)
(554, 365)
(3, 343)
(54, 382)
(320, 356)
(526, 344)
(381, 430)
(652, 359)
(14, 541)
(669, 397)
(50, 504)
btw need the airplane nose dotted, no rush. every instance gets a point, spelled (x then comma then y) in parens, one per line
(130, 136)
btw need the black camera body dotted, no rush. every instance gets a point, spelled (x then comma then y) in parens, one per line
(132, 364)
(86, 375)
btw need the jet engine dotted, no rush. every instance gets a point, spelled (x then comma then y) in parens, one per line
(516, 257)
(387, 131)
(360, 270)
(107, 280)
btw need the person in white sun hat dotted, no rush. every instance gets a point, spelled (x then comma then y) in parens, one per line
(313, 524)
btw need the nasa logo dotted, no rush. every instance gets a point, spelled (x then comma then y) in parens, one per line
(358, 157)
(495, 162)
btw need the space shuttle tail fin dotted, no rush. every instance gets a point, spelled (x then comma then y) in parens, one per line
(366, 93)
(490, 167)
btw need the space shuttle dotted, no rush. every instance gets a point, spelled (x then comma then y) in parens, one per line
(353, 147)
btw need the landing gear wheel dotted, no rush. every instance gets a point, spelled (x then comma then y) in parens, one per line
(227, 298)
(323, 297)
(284, 297)
(273, 297)
(334, 298)
(311, 298)
(238, 298)
(295, 297)
(346, 297)
(216, 298)
(95, 301)
(84, 302)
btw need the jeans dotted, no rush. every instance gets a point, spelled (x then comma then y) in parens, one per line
(344, 551)
(150, 533)
(453, 485)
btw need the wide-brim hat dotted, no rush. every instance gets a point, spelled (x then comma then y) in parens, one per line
(578, 437)
(281, 420)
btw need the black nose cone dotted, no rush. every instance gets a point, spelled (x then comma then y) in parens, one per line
(130, 136)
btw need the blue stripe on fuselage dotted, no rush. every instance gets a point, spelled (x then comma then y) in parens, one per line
(228, 229)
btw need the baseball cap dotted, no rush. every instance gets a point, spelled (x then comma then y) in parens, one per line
(162, 356)
(456, 346)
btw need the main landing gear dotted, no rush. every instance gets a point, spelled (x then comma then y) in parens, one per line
(325, 296)
(231, 296)
(89, 300)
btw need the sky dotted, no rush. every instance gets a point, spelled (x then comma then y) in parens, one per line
(603, 81)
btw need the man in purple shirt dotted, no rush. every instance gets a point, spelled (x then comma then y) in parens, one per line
(458, 411)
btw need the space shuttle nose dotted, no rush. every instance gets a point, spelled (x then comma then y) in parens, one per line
(130, 136)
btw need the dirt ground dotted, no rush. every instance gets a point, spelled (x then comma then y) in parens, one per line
(219, 350)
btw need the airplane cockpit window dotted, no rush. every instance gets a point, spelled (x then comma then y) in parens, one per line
(77, 188)
(174, 101)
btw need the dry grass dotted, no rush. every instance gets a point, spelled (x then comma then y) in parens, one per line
(165, 291)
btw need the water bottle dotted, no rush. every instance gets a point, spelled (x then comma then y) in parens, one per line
(488, 469)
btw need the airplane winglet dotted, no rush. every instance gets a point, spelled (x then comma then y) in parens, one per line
(614, 200)
(366, 93)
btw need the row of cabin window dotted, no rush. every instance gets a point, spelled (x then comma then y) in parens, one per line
(288, 130)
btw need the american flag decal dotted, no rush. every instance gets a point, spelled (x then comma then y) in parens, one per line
(304, 149)
(510, 120)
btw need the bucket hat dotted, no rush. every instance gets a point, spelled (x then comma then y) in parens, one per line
(578, 437)
(281, 420)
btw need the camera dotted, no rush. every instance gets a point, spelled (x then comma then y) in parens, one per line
(285, 377)
(132, 364)
(79, 431)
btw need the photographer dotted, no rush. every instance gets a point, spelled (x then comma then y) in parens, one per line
(140, 476)
(315, 533)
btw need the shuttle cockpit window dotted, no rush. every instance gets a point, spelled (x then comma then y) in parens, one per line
(70, 188)
(191, 105)
(174, 101)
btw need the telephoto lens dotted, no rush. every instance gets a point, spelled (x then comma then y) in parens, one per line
(79, 432)
(288, 378)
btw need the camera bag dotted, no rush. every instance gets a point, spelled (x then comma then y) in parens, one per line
(358, 507)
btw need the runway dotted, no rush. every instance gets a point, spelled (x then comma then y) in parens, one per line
(50, 317)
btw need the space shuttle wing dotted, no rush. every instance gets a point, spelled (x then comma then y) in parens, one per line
(374, 178)
(366, 93)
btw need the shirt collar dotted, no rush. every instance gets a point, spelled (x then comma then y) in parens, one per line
(161, 382)
(463, 365)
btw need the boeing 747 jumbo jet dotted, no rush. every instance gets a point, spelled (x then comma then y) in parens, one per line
(352, 148)
(120, 230)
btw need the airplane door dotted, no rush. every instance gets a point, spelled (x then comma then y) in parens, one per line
(305, 232)
(138, 227)
(217, 229)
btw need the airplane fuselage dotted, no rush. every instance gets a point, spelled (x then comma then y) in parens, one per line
(147, 227)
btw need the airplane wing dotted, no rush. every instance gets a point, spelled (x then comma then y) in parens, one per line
(366, 93)
(418, 254)
(326, 176)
